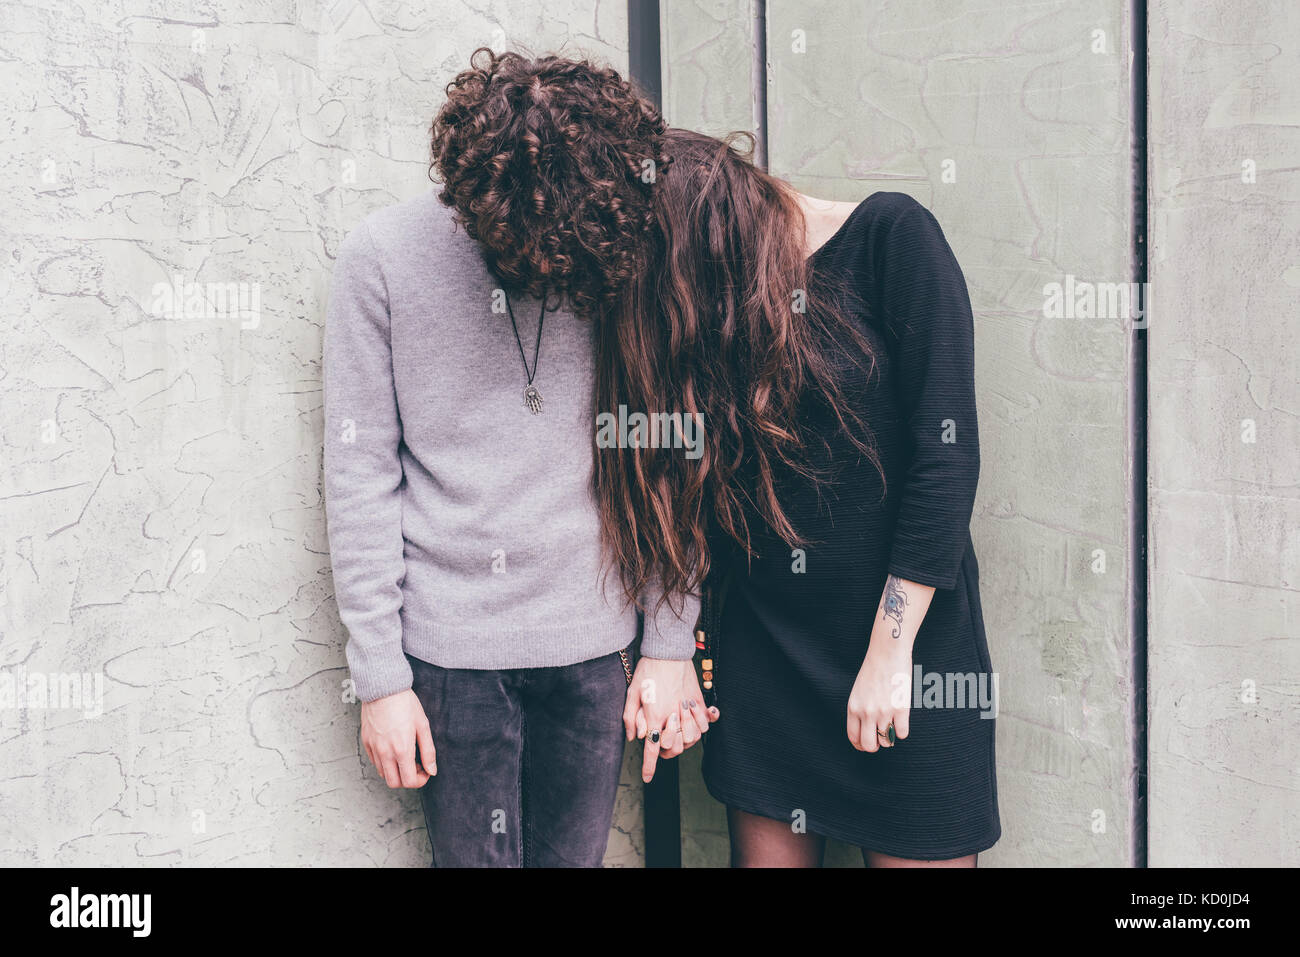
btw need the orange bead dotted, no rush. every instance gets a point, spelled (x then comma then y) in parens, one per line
(707, 664)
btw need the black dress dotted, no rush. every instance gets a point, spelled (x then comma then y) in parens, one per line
(795, 627)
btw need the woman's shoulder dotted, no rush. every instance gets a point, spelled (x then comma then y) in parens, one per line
(880, 221)
(884, 213)
(890, 232)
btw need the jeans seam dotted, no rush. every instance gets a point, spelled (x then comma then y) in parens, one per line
(525, 852)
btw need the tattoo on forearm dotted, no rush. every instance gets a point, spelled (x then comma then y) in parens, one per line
(895, 603)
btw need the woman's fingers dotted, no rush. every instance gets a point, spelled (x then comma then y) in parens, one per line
(691, 732)
(869, 731)
(870, 741)
(695, 707)
(901, 723)
(671, 745)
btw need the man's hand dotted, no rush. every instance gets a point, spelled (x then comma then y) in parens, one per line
(391, 728)
(665, 696)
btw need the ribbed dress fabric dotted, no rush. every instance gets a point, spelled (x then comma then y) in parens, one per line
(795, 627)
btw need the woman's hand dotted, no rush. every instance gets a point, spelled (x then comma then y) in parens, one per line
(664, 702)
(881, 694)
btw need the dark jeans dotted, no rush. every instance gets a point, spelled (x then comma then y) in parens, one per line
(528, 762)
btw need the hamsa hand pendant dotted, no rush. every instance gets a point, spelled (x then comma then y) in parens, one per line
(532, 399)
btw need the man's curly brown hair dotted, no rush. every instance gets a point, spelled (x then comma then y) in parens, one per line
(550, 165)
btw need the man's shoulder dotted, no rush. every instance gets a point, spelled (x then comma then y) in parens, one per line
(418, 231)
(423, 212)
(424, 216)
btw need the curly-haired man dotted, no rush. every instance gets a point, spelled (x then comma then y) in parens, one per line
(493, 666)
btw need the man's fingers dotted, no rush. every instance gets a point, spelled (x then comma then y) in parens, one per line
(631, 706)
(901, 721)
(641, 726)
(411, 775)
(388, 768)
(428, 755)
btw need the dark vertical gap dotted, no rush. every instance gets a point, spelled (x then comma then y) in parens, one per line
(643, 48)
(1138, 431)
(662, 796)
(758, 81)
(663, 817)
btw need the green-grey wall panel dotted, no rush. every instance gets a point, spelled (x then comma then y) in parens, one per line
(708, 64)
(1225, 433)
(1011, 123)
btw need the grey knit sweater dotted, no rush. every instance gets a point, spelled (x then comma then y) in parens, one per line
(462, 527)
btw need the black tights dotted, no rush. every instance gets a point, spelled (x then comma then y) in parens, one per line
(764, 842)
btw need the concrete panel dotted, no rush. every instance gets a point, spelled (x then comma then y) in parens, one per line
(1011, 123)
(1225, 430)
(160, 487)
(707, 59)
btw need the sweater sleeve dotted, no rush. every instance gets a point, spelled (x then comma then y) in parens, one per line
(363, 470)
(926, 309)
(669, 634)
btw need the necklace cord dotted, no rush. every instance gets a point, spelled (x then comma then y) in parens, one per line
(537, 346)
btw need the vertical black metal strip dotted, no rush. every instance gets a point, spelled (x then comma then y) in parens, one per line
(662, 796)
(1138, 390)
(663, 817)
(758, 81)
(643, 48)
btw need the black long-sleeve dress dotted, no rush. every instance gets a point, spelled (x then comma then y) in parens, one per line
(795, 626)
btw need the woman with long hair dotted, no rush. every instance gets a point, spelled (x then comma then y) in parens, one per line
(828, 348)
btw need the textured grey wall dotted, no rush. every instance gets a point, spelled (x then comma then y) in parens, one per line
(160, 511)
(1011, 123)
(160, 487)
(1225, 433)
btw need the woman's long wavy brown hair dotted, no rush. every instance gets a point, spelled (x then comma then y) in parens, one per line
(692, 263)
